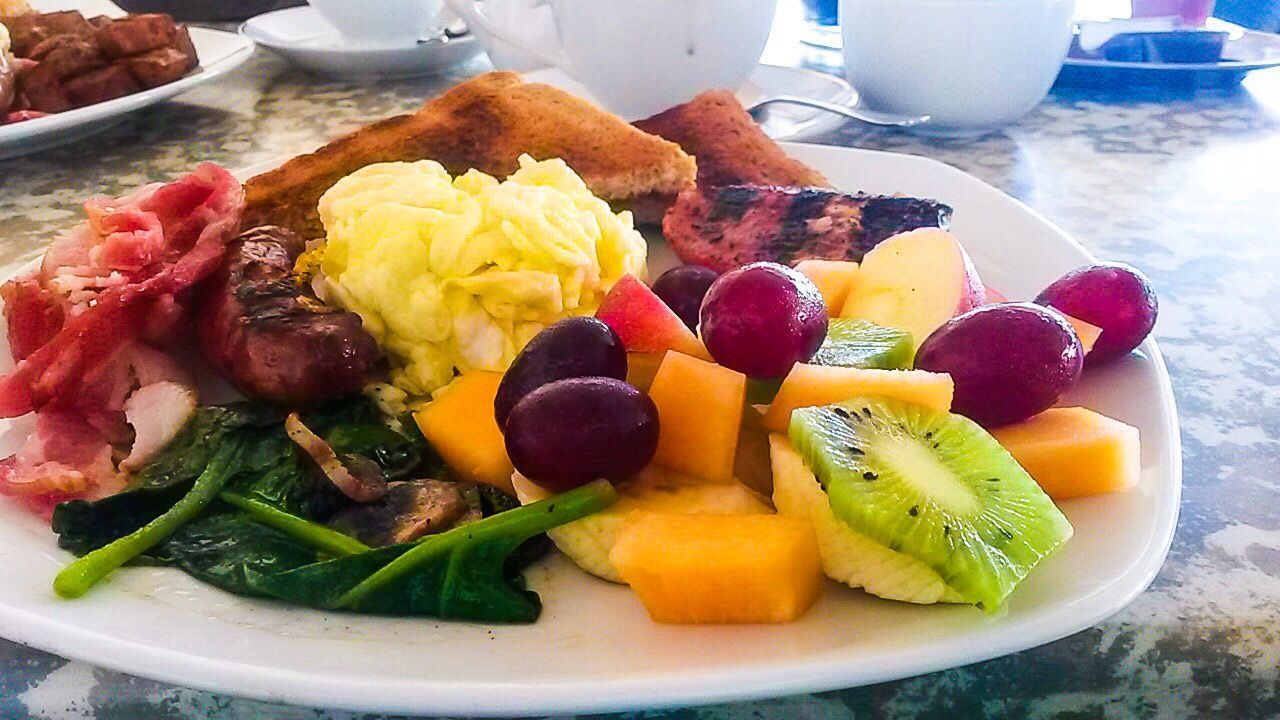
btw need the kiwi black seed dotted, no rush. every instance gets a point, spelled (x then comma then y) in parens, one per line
(945, 492)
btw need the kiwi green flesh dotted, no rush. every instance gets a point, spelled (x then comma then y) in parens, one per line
(861, 344)
(934, 486)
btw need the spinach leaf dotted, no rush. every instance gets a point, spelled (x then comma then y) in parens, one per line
(77, 578)
(221, 548)
(465, 573)
(190, 451)
(83, 525)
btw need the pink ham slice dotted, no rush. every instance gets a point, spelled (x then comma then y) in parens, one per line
(78, 328)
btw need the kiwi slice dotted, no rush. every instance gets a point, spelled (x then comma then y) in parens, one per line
(861, 344)
(934, 486)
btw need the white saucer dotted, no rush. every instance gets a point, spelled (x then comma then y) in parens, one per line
(305, 39)
(784, 122)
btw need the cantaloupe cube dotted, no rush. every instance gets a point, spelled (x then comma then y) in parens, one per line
(699, 415)
(720, 568)
(641, 367)
(834, 279)
(811, 385)
(460, 425)
(1074, 451)
(1087, 333)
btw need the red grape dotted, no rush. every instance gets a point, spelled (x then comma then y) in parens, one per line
(570, 432)
(1008, 361)
(1113, 296)
(572, 347)
(682, 289)
(762, 318)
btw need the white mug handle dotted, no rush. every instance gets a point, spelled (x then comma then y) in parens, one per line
(472, 15)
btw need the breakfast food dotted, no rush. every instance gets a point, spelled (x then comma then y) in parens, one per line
(484, 124)
(457, 274)
(731, 149)
(69, 61)
(915, 281)
(933, 486)
(270, 337)
(1113, 297)
(441, 365)
(724, 227)
(1009, 361)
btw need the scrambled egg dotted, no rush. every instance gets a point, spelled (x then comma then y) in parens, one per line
(451, 275)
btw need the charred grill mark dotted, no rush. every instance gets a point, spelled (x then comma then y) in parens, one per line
(732, 202)
(805, 204)
(884, 217)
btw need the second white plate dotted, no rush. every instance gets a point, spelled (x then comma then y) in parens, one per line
(220, 52)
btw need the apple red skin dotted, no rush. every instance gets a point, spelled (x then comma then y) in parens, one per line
(1112, 296)
(1008, 361)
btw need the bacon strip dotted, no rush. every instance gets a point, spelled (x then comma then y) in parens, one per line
(196, 216)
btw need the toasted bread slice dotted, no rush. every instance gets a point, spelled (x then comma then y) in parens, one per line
(485, 123)
(729, 146)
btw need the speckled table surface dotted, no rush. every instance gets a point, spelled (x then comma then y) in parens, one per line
(1183, 184)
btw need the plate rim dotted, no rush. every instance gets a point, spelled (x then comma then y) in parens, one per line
(827, 672)
(55, 122)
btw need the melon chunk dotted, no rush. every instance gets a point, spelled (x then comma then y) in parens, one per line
(1087, 333)
(813, 385)
(460, 425)
(1074, 451)
(720, 568)
(641, 367)
(915, 281)
(699, 416)
(834, 279)
(588, 541)
(644, 323)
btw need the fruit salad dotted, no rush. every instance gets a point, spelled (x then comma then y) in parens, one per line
(892, 426)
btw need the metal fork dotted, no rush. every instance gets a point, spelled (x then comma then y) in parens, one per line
(872, 117)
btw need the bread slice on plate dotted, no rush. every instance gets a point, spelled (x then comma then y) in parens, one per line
(729, 146)
(485, 123)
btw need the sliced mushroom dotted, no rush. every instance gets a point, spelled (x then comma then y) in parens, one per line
(359, 478)
(409, 511)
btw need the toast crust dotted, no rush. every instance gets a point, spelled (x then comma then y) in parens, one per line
(729, 146)
(485, 123)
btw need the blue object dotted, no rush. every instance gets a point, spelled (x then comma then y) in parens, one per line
(821, 12)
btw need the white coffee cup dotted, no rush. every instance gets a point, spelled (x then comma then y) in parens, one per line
(639, 57)
(973, 66)
(381, 23)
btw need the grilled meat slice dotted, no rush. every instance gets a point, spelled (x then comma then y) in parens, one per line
(136, 34)
(729, 226)
(271, 338)
(100, 85)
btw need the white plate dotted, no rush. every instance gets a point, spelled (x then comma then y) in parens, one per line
(219, 53)
(1245, 51)
(783, 122)
(594, 650)
(307, 40)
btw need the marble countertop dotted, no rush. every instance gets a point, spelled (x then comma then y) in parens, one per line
(1184, 185)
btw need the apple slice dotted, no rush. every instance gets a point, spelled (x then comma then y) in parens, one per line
(994, 296)
(644, 323)
(915, 281)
